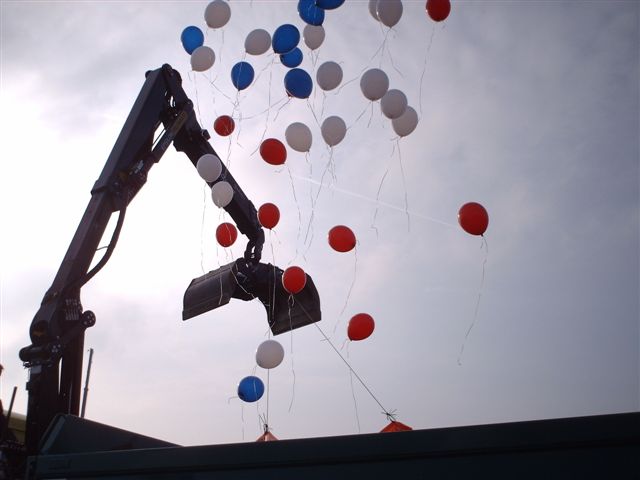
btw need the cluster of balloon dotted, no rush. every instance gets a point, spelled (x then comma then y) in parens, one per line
(387, 12)
(268, 215)
(269, 354)
(221, 193)
(224, 125)
(273, 151)
(294, 279)
(473, 218)
(209, 167)
(360, 326)
(242, 75)
(438, 10)
(342, 239)
(250, 389)
(298, 137)
(226, 234)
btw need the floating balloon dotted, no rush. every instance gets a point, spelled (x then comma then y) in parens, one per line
(292, 59)
(202, 59)
(250, 389)
(224, 125)
(329, 4)
(310, 13)
(333, 130)
(226, 234)
(268, 215)
(298, 83)
(273, 151)
(209, 167)
(473, 218)
(222, 193)
(217, 14)
(329, 75)
(396, 426)
(257, 42)
(389, 12)
(294, 279)
(438, 10)
(374, 83)
(342, 239)
(242, 75)
(393, 103)
(285, 38)
(405, 123)
(298, 136)
(192, 38)
(269, 354)
(313, 36)
(360, 326)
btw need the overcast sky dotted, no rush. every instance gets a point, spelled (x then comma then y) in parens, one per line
(530, 108)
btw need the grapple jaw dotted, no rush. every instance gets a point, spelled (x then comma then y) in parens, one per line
(247, 280)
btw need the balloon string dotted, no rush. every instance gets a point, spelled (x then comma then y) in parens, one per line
(375, 214)
(404, 186)
(290, 303)
(353, 282)
(268, 390)
(204, 208)
(266, 122)
(424, 68)
(295, 198)
(314, 202)
(355, 403)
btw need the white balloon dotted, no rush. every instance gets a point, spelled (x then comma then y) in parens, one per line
(374, 83)
(329, 75)
(269, 354)
(333, 130)
(217, 14)
(298, 136)
(373, 9)
(209, 167)
(389, 11)
(313, 36)
(257, 42)
(222, 193)
(202, 59)
(405, 123)
(393, 104)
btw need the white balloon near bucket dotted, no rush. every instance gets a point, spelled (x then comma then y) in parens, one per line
(222, 193)
(257, 42)
(202, 59)
(217, 14)
(374, 83)
(313, 36)
(405, 123)
(329, 75)
(389, 12)
(209, 167)
(299, 137)
(269, 354)
(333, 130)
(393, 103)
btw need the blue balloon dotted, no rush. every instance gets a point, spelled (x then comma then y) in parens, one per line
(298, 83)
(250, 389)
(285, 38)
(192, 38)
(310, 12)
(242, 75)
(292, 59)
(329, 4)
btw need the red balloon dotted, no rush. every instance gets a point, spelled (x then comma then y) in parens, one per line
(360, 326)
(226, 234)
(438, 10)
(294, 279)
(268, 215)
(273, 151)
(342, 239)
(224, 125)
(473, 218)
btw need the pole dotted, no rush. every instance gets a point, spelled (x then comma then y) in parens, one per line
(86, 384)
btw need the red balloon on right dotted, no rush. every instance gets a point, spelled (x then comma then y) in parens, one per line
(438, 10)
(342, 239)
(360, 326)
(473, 218)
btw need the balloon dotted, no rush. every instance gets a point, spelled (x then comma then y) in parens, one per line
(202, 59)
(329, 75)
(438, 10)
(333, 130)
(250, 389)
(257, 42)
(192, 38)
(342, 239)
(405, 123)
(329, 4)
(222, 193)
(298, 83)
(273, 151)
(310, 13)
(285, 38)
(269, 354)
(242, 75)
(294, 279)
(268, 215)
(313, 36)
(298, 136)
(224, 125)
(393, 103)
(209, 167)
(217, 14)
(360, 326)
(373, 4)
(389, 11)
(292, 59)
(374, 83)
(473, 218)
(226, 234)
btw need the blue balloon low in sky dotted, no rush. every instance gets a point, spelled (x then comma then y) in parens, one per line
(310, 12)
(292, 59)
(192, 38)
(242, 75)
(250, 389)
(298, 83)
(285, 38)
